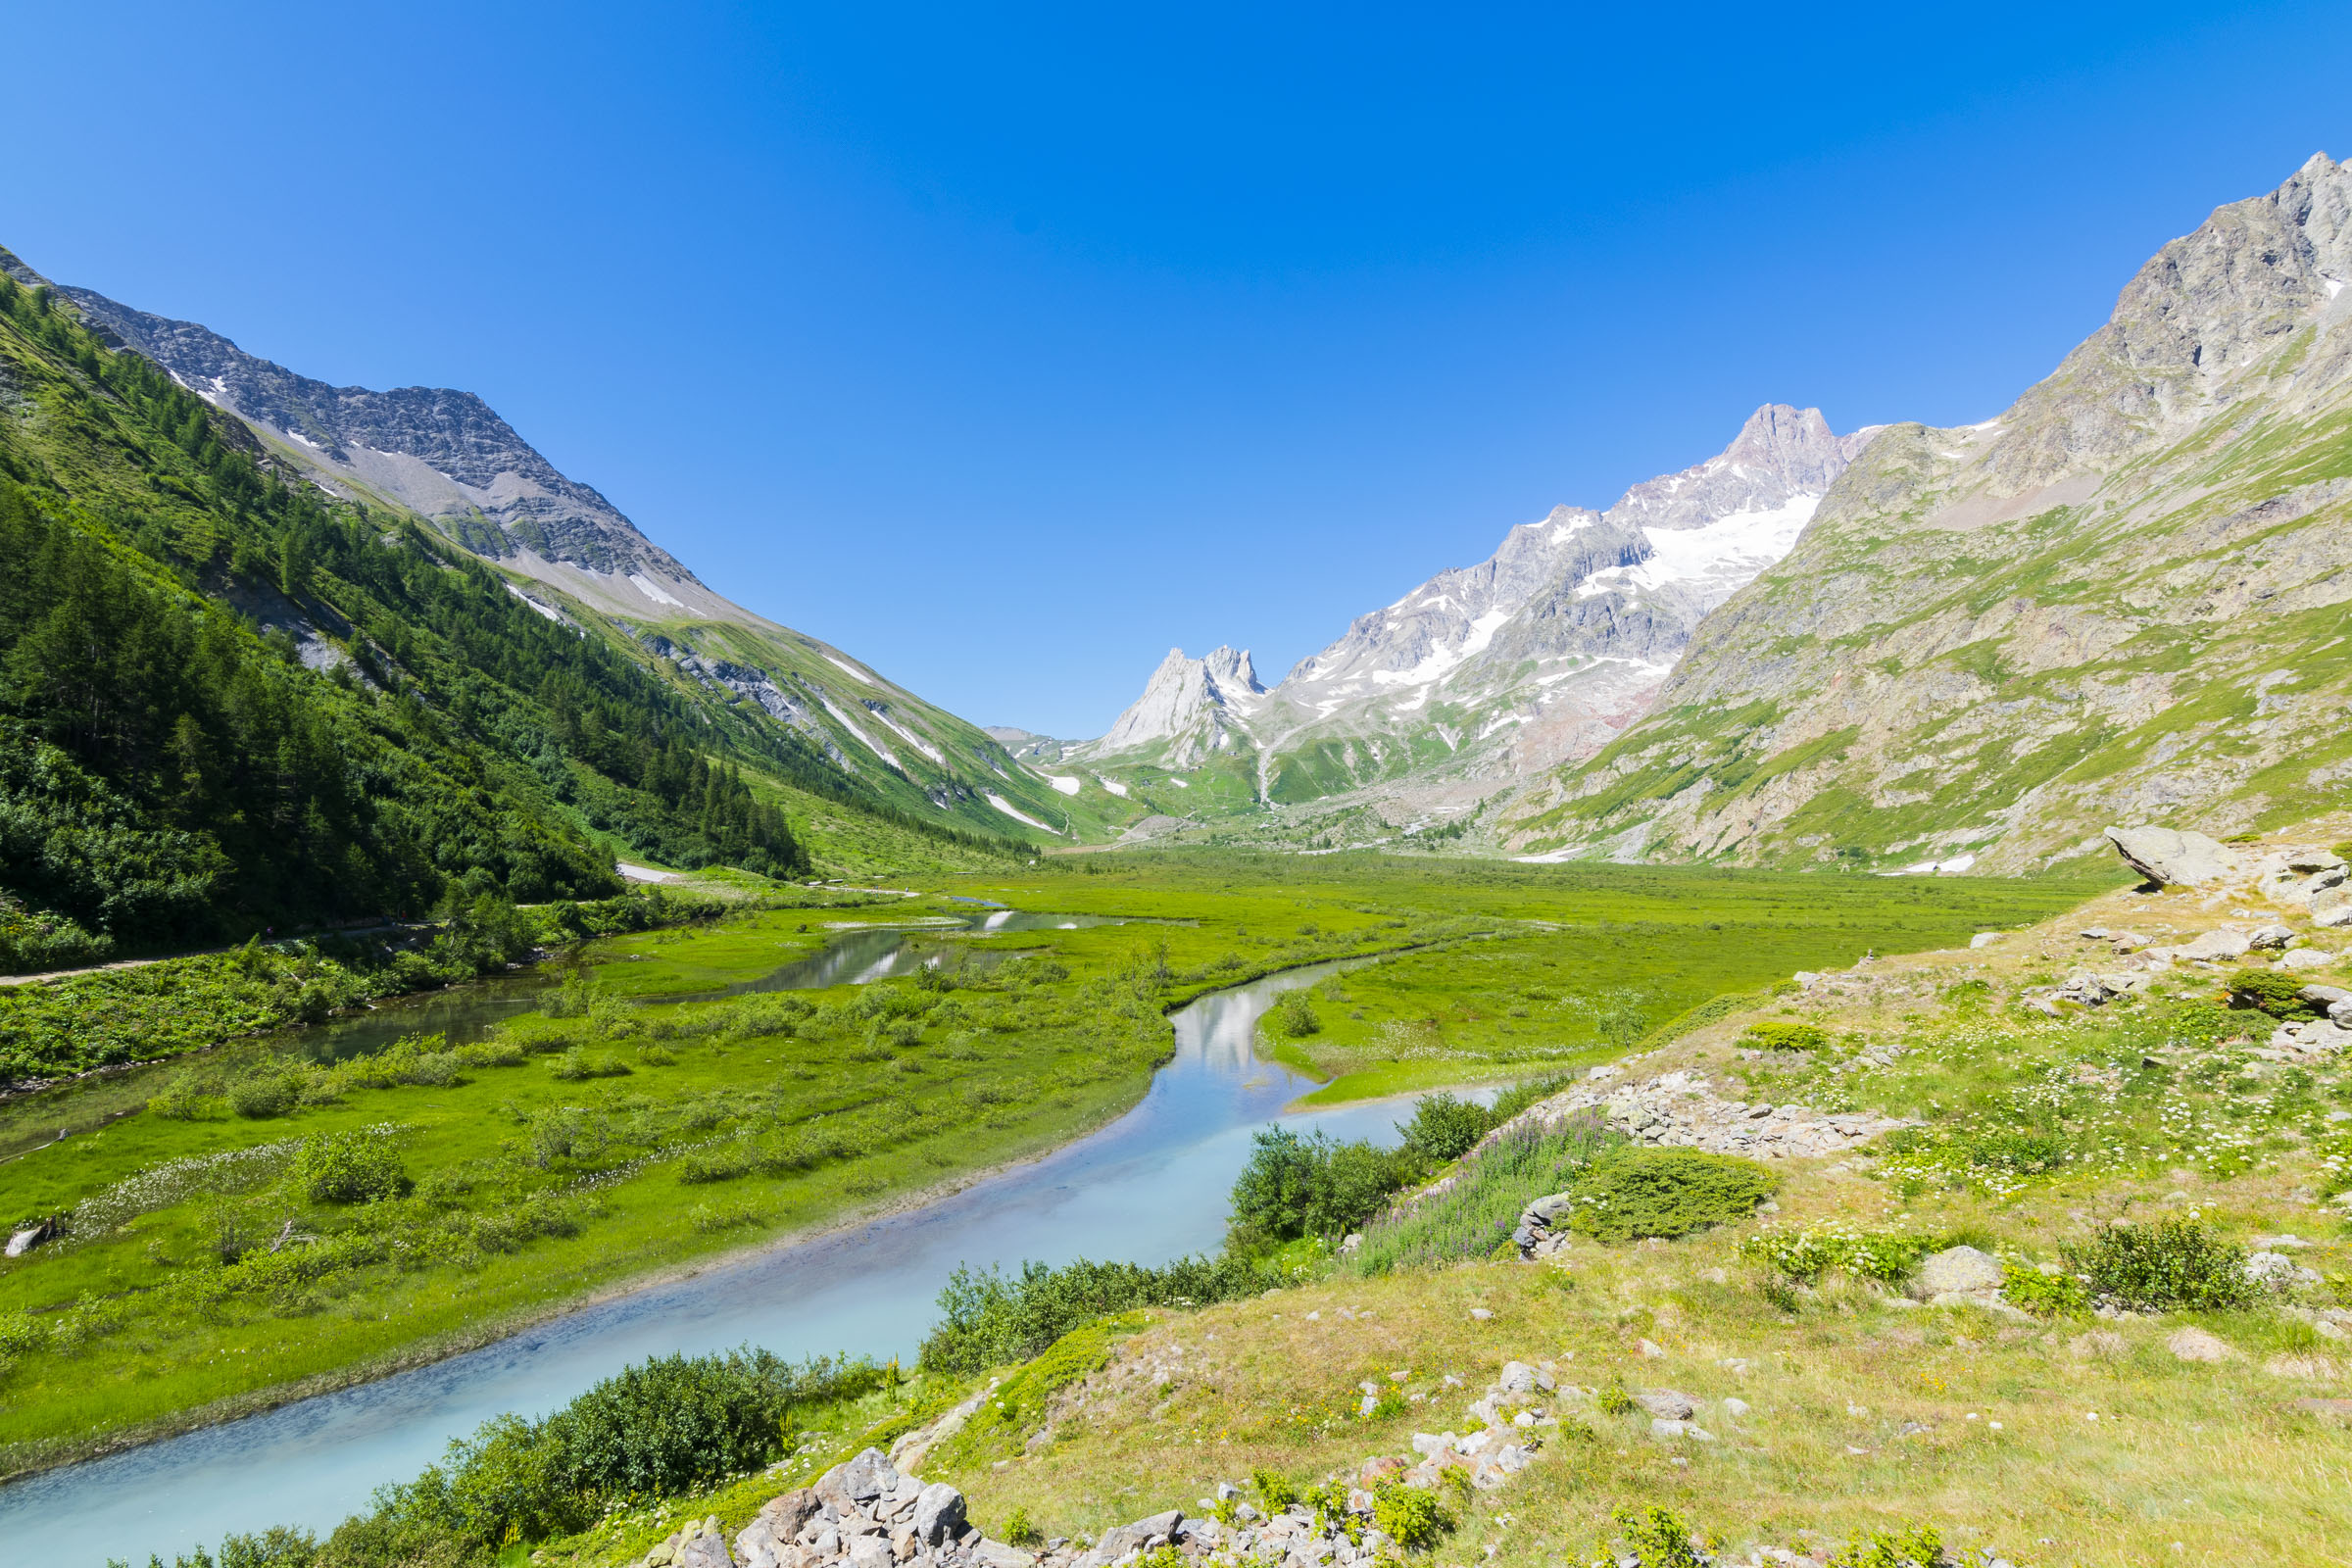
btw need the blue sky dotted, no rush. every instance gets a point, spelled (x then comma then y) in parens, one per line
(1008, 346)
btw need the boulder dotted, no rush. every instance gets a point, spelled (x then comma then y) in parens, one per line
(2278, 1272)
(938, 1514)
(859, 1480)
(2216, 946)
(702, 1547)
(2171, 858)
(1957, 1271)
(2306, 958)
(1668, 1404)
(872, 1551)
(2270, 936)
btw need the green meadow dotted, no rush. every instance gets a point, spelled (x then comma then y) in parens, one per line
(249, 1223)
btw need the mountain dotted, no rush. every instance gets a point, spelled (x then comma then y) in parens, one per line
(2124, 599)
(1190, 708)
(570, 556)
(1485, 675)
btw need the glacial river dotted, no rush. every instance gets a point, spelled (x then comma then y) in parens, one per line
(1150, 1187)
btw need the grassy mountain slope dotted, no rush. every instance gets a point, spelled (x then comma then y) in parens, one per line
(2124, 599)
(447, 457)
(228, 701)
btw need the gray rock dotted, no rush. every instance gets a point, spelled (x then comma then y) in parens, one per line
(1517, 1378)
(1667, 1403)
(2306, 958)
(2279, 1271)
(2172, 857)
(938, 1514)
(997, 1554)
(2195, 1344)
(2214, 946)
(862, 1480)
(2324, 997)
(2271, 936)
(1958, 1270)
(703, 1550)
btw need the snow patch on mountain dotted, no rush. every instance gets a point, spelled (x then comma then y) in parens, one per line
(1718, 558)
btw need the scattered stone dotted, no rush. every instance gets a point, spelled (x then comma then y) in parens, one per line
(2271, 936)
(1985, 938)
(2195, 1344)
(1648, 1350)
(1669, 1403)
(1480, 1313)
(2306, 958)
(2099, 1345)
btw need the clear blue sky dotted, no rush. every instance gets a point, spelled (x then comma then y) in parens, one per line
(1007, 346)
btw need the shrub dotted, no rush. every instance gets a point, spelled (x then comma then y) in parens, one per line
(1657, 1537)
(1912, 1546)
(575, 1064)
(2029, 1290)
(1407, 1515)
(2271, 992)
(1274, 1489)
(988, 1319)
(1293, 1187)
(353, 1167)
(1295, 1016)
(490, 1054)
(1529, 1092)
(723, 1164)
(1610, 1399)
(1478, 1211)
(1887, 1257)
(1666, 1191)
(1445, 1128)
(2168, 1263)
(1019, 1530)
(185, 1098)
(260, 1099)
(1774, 1034)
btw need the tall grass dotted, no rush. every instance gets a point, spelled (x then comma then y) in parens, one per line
(1477, 1213)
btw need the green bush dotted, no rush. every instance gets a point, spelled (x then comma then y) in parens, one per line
(1311, 1186)
(673, 1425)
(2029, 1290)
(1478, 1211)
(2165, 1265)
(185, 1098)
(352, 1167)
(2269, 990)
(1638, 1192)
(576, 1065)
(1295, 1016)
(1445, 1128)
(988, 1319)
(1408, 1516)
(1274, 1489)
(260, 1099)
(1019, 1530)
(1910, 1547)
(1775, 1033)
(1888, 1257)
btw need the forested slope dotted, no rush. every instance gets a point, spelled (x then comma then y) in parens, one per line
(228, 701)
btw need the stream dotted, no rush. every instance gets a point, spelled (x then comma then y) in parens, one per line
(1150, 1187)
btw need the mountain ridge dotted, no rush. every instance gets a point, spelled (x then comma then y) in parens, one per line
(2119, 600)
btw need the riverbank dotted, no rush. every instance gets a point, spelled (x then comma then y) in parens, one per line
(564, 1160)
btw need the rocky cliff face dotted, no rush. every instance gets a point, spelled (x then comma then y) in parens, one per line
(2123, 599)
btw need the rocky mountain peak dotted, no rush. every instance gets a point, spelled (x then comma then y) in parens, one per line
(1190, 705)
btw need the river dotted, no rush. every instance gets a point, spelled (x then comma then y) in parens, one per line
(1150, 1187)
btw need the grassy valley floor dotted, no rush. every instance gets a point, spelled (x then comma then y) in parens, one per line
(1832, 1405)
(262, 1224)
